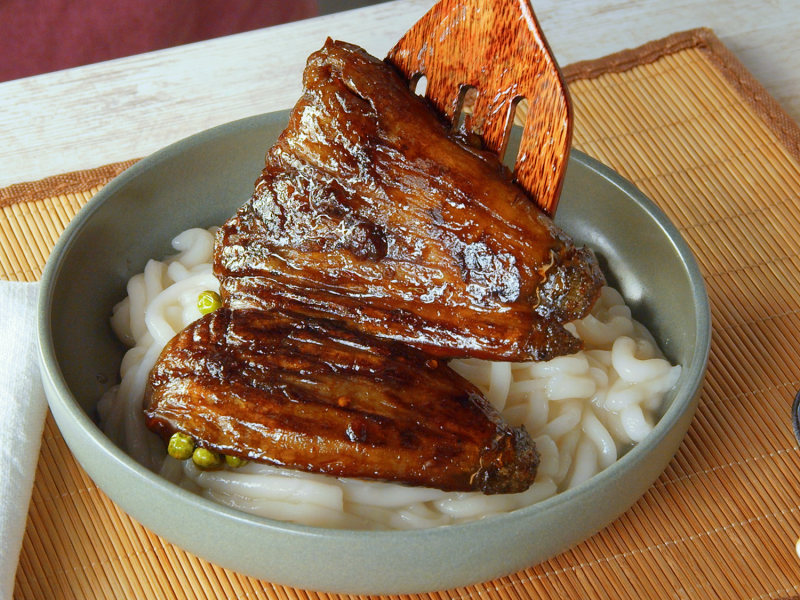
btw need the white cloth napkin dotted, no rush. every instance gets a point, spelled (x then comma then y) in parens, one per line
(22, 412)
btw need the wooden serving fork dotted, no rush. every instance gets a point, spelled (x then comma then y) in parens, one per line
(497, 48)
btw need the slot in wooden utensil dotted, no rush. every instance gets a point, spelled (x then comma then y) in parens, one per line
(496, 48)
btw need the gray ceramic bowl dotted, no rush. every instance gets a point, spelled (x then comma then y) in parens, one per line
(200, 182)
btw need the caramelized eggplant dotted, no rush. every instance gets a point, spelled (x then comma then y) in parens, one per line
(314, 395)
(371, 211)
(377, 243)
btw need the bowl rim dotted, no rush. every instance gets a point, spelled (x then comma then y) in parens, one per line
(692, 375)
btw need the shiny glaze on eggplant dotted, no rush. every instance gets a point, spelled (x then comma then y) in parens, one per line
(371, 211)
(377, 242)
(314, 395)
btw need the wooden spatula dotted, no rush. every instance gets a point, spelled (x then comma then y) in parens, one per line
(497, 48)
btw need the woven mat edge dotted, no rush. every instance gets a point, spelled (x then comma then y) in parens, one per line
(58, 185)
(743, 82)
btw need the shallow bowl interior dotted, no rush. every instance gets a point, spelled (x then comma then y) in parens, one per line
(200, 182)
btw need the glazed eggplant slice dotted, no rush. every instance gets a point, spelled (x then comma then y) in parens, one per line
(314, 395)
(372, 212)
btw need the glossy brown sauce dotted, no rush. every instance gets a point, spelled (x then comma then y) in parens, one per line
(370, 210)
(313, 395)
(376, 243)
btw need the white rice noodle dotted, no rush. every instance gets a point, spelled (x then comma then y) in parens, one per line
(298, 512)
(583, 411)
(156, 308)
(294, 490)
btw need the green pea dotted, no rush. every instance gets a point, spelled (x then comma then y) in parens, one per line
(208, 302)
(235, 461)
(206, 459)
(180, 446)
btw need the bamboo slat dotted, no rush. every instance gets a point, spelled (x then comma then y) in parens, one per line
(680, 119)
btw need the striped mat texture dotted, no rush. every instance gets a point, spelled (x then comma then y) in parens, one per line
(684, 121)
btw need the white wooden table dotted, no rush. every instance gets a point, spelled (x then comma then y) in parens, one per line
(127, 108)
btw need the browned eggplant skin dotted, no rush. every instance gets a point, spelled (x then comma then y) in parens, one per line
(314, 395)
(375, 241)
(371, 211)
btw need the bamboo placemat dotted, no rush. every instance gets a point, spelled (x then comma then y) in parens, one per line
(684, 121)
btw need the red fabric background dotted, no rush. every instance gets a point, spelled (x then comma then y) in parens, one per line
(39, 36)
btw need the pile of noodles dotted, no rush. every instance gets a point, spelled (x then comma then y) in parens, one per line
(583, 411)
